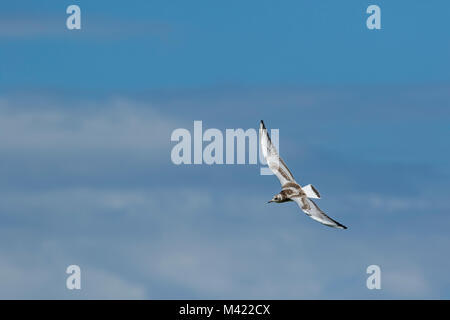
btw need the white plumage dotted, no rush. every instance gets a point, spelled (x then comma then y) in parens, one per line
(290, 189)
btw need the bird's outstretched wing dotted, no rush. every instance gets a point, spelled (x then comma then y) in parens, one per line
(274, 161)
(311, 209)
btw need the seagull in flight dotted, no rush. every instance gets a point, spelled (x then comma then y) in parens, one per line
(290, 189)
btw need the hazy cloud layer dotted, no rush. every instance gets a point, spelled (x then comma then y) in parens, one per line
(42, 25)
(89, 181)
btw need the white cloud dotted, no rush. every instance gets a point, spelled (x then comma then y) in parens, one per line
(185, 238)
(406, 283)
(115, 124)
(102, 284)
(366, 203)
(200, 246)
(96, 27)
(29, 276)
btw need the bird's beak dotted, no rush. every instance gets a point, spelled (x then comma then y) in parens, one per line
(270, 201)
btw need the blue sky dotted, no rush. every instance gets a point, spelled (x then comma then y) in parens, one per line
(86, 176)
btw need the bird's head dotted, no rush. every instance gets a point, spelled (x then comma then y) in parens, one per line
(277, 198)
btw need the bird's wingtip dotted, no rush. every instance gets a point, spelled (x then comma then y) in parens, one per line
(262, 124)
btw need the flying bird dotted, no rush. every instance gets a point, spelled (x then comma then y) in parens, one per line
(290, 189)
